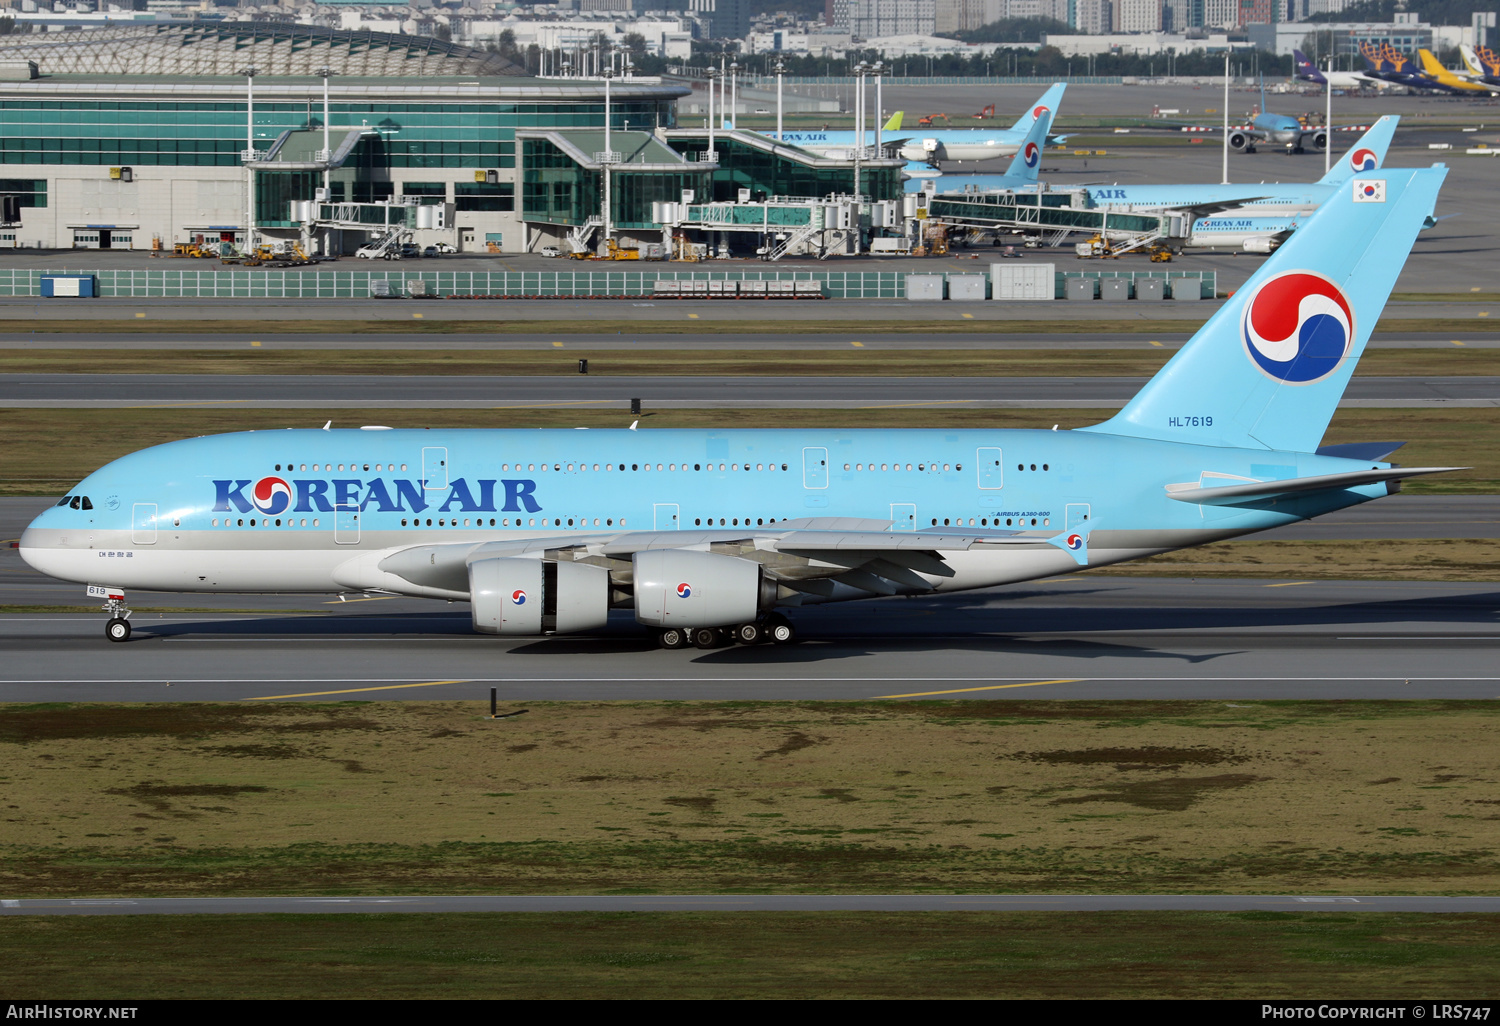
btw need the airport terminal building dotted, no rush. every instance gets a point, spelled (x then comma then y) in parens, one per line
(125, 138)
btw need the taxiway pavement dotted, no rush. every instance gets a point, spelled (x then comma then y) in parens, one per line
(317, 391)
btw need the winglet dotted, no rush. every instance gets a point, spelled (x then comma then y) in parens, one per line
(1075, 543)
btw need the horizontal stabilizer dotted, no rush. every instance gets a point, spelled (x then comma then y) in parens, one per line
(1253, 491)
(1375, 452)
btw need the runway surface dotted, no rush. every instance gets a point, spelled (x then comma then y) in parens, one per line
(107, 391)
(753, 903)
(1076, 637)
(690, 341)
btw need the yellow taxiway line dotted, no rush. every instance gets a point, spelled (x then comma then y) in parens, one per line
(991, 687)
(350, 691)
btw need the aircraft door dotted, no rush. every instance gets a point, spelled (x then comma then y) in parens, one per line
(143, 523)
(666, 516)
(1077, 514)
(903, 516)
(815, 468)
(434, 467)
(346, 524)
(990, 462)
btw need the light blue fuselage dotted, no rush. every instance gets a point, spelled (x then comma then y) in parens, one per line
(208, 533)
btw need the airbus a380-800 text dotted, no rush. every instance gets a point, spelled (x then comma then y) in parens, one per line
(708, 536)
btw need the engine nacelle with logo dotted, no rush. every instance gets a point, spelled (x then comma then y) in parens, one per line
(1260, 244)
(678, 588)
(537, 596)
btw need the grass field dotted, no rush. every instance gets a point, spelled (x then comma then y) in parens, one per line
(1143, 361)
(1255, 955)
(49, 451)
(655, 797)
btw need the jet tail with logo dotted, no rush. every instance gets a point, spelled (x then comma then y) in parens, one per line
(1027, 163)
(1051, 100)
(1269, 368)
(1367, 153)
(1306, 70)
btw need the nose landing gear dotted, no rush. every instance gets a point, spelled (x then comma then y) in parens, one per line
(117, 627)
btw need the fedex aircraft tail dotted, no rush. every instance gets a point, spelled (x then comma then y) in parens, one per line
(1269, 368)
(1306, 70)
(1050, 101)
(1367, 153)
(1027, 162)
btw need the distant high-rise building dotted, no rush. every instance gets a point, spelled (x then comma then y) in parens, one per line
(1093, 17)
(1137, 15)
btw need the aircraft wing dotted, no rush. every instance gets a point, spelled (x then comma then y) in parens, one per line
(864, 554)
(1198, 210)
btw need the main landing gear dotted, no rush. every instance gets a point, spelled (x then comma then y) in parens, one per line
(776, 629)
(117, 627)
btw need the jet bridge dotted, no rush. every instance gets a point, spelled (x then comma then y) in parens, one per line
(788, 224)
(1055, 215)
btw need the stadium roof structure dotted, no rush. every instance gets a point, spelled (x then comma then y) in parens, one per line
(228, 48)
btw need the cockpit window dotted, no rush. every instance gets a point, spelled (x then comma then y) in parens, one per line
(77, 501)
(86, 503)
(65, 500)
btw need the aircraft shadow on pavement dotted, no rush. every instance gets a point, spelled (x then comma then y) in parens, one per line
(1032, 621)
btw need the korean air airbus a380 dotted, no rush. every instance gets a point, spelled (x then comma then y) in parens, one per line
(707, 535)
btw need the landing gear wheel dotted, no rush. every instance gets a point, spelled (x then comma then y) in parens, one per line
(117, 629)
(707, 637)
(780, 630)
(673, 637)
(749, 634)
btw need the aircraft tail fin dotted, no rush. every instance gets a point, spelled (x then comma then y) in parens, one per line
(1367, 153)
(1269, 368)
(1489, 61)
(1431, 64)
(1306, 69)
(894, 124)
(1049, 101)
(1027, 162)
(1470, 58)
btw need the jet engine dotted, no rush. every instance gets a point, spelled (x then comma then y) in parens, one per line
(1320, 140)
(1240, 141)
(537, 596)
(1260, 244)
(679, 588)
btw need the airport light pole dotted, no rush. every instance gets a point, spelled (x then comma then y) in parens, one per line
(325, 74)
(879, 69)
(711, 74)
(249, 157)
(734, 91)
(1328, 118)
(780, 69)
(1226, 118)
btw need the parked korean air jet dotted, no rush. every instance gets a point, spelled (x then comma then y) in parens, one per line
(932, 147)
(707, 536)
(1261, 199)
(1022, 173)
(1234, 231)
